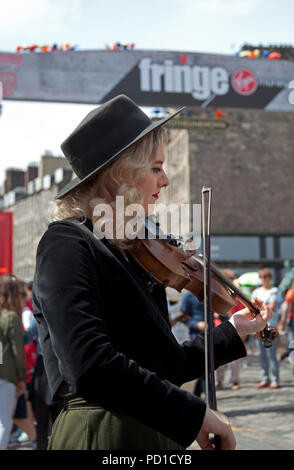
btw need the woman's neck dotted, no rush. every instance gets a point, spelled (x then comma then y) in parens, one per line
(267, 287)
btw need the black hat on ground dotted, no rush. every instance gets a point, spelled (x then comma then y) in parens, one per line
(102, 135)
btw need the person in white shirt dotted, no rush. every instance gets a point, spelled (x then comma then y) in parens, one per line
(268, 356)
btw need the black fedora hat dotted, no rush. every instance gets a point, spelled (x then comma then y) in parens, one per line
(102, 135)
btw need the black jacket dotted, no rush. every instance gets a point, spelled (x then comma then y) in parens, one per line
(106, 336)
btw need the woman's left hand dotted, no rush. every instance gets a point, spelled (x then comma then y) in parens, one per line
(246, 322)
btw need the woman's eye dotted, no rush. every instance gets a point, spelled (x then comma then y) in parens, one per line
(156, 170)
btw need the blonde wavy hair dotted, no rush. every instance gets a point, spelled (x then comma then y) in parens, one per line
(120, 178)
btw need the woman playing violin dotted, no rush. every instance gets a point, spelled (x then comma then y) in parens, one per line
(105, 335)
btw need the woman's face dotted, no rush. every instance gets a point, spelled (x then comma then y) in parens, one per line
(265, 279)
(152, 184)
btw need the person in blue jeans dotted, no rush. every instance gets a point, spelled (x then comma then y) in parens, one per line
(268, 356)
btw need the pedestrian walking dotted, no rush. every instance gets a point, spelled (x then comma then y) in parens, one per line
(13, 367)
(289, 315)
(268, 356)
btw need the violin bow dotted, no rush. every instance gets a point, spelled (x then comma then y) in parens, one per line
(210, 390)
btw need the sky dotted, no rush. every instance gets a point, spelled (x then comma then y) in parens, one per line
(27, 129)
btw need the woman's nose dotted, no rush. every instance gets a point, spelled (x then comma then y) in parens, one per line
(165, 180)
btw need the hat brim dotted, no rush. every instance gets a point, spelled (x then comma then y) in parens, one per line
(77, 181)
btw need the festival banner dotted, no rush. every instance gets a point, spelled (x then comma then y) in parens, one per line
(151, 78)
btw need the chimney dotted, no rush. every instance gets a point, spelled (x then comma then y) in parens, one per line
(31, 174)
(14, 178)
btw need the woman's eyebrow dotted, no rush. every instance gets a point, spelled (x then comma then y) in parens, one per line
(158, 161)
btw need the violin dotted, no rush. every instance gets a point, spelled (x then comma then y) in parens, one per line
(172, 262)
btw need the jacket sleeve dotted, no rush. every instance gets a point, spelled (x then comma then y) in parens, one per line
(17, 345)
(69, 293)
(228, 346)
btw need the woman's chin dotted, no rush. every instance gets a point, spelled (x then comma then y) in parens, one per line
(149, 208)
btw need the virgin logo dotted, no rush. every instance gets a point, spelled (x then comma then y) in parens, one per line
(8, 80)
(10, 63)
(244, 82)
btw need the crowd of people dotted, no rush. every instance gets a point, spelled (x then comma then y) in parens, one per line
(187, 320)
(26, 410)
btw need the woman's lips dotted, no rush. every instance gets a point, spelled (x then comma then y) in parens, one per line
(156, 195)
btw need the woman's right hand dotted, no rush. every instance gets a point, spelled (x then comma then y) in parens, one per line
(216, 423)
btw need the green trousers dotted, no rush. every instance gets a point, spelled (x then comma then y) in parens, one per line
(82, 426)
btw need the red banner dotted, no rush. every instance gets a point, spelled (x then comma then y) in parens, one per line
(6, 242)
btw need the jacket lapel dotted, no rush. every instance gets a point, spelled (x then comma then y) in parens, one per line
(159, 316)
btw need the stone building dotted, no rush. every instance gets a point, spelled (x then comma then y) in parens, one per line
(31, 208)
(30, 216)
(246, 157)
(49, 163)
(249, 164)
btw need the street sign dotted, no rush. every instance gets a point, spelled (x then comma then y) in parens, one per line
(196, 124)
